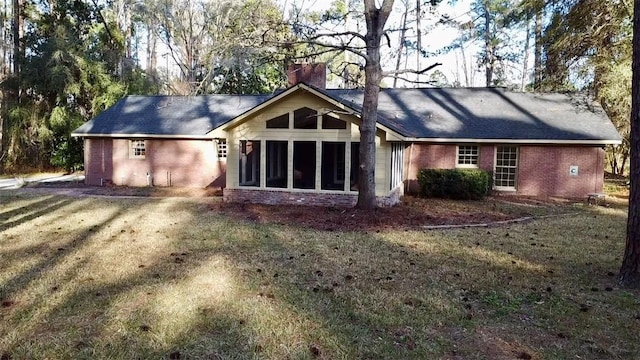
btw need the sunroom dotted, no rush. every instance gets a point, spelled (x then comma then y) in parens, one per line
(302, 148)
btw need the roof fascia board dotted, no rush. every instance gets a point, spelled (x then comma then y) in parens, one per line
(300, 86)
(315, 92)
(515, 141)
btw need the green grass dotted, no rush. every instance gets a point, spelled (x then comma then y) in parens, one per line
(150, 277)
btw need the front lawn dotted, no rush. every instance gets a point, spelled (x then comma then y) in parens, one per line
(85, 277)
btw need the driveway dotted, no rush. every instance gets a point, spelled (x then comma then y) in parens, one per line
(18, 182)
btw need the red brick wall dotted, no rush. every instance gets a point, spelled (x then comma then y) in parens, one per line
(542, 170)
(189, 163)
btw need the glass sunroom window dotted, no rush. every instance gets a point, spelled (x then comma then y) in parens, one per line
(305, 118)
(333, 165)
(277, 164)
(304, 164)
(249, 169)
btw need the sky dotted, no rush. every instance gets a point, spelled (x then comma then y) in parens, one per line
(435, 39)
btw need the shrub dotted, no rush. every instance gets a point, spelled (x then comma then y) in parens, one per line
(461, 184)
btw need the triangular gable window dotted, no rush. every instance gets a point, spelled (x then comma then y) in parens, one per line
(305, 118)
(331, 122)
(280, 122)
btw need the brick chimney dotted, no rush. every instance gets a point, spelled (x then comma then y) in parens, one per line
(311, 74)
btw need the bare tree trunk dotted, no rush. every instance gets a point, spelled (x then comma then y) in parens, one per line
(17, 36)
(464, 65)
(128, 31)
(630, 269)
(613, 162)
(5, 70)
(6, 36)
(375, 19)
(525, 60)
(419, 38)
(456, 74)
(537, 71)
(152, 42)
(403, 36)
(488, 64)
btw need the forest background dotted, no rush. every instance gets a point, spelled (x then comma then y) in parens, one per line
(62, 62)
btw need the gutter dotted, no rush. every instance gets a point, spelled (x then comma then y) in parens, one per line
(144, 136)
(515, 141)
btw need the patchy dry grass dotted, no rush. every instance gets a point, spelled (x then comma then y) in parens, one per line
(168, 278)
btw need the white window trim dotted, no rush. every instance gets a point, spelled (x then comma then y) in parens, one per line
(222, 148)
(275, 168)
(244, 179)
(467, 166)
(133, 148)
(397, 164)
(495, 165)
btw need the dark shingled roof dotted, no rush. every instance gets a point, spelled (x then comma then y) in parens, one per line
(429, 113)
(486, 113)
(169, 115)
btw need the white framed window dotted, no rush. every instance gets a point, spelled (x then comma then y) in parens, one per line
(468, 156)
(221, 147)
(249, 161)
(280, 122)
(397, 164)
(277, 155)
(506, 168)
(333, 164)
(137, 149)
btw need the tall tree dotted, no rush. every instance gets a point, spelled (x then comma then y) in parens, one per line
(376, 18)
(216, 45)
(493, 28)
(586, 45)
(327, 34)
(70, 70)
(630, 269)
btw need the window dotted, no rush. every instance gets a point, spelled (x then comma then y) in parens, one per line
(137, 149)
(468, 156)
(281, 122)
(304, 164)
(249, 169)
(331, 122)
(221, 145)
(277, 164)
(397, 164)
(305, 118)
(333, 165)
(506, 168)
(355, 166)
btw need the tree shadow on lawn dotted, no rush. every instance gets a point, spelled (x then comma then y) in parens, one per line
(382, 295)
(30, 211)
(201, 285)
(62, 304)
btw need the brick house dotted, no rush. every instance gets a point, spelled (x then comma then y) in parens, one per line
(300, 145)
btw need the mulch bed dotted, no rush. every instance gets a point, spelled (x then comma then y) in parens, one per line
(412, 213)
